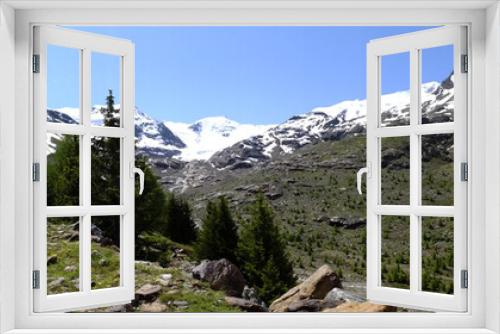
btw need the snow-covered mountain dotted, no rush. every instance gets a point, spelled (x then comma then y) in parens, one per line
(335, 122)
(155, 139)
(209, 135)
(228, 144)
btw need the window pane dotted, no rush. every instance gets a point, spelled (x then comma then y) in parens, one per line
(63, 255)
(437, 254)
(437, 90)
(63, 84)
(395, 170)
(395, 251)
(63, 170)
(395, 89)
(105, 257)
(105, 171)
(437, 169)
(106, 92)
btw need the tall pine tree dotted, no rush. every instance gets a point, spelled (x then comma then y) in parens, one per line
(105, 170)
(218, 237)
(63, 173)
(179, 226)
(150, 207)
(262, 255)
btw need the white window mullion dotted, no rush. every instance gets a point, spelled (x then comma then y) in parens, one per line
(373, 175)
(127, 264)
(415, 160)
(85, 176)
(460, 156)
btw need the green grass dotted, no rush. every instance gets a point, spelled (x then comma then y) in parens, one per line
(105, 273)
(198, 301)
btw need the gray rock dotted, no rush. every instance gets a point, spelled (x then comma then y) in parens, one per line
(305, 305)
(180, 303)
(165, 279)
(338, 296)
(315, 286)
(120, 308)
(274, 195)
(52, 260)
(251, 295)
(245, 304)
(105, 242)
(347, 223)
(147, 293)
(221, 275)
(57, 282)
(70, 268)
(96, 231)
(74, 236)
(103, 262)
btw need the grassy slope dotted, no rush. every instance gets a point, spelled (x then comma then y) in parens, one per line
(315, 185)
(105, 273)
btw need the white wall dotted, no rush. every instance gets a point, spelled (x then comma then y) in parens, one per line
(7, 110)
(492, 211)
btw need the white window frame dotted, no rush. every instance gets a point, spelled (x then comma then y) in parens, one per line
(86, 44)
(483, 121)
(413, 44)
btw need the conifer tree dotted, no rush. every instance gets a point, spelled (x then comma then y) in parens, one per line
(150, 207)
(179, 226)
(63, 173)
(105, 170)
(218, 237)
(262, 255)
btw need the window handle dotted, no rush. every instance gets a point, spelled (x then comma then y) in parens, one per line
(134, 170)
(359, 175)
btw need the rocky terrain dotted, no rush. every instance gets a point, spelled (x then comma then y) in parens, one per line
(187, 286)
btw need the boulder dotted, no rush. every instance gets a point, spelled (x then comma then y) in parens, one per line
(52, 260)
(56, 283)
(154, 307)
(251, 295)
(120, 308)
(96, 231)
(74, 236)
(106, 242)
(165, 279)
(305, 305)
(221, 275)
(180, 303)
(365, 307)
(147, 293)
(315, 286)
(245, 304)
(70, 268)
(339, 296)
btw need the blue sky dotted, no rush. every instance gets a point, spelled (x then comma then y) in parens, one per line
(256, 75)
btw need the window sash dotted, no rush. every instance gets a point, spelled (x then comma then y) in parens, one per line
(414, 297)
(86, 296)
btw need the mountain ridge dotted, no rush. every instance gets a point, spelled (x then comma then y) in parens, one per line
(225, 143)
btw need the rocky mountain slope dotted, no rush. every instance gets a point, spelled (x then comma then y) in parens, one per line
(334, 123)
(160, 140)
